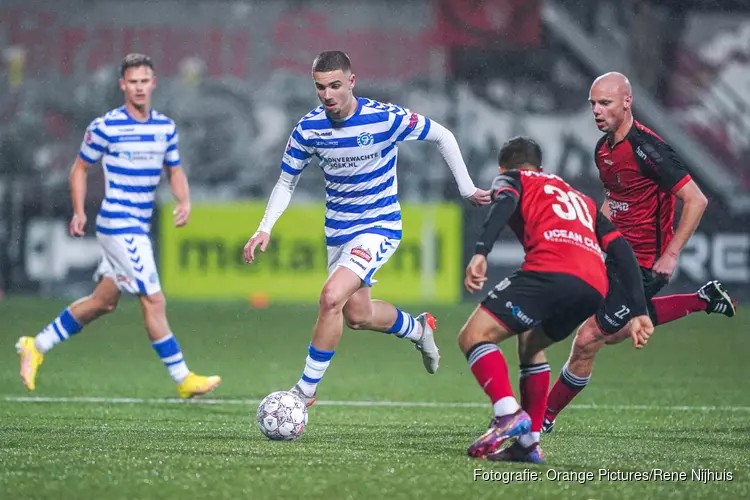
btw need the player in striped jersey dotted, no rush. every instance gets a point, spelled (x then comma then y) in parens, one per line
(134, 143)
(356, 142)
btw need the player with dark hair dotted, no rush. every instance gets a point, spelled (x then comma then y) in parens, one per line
(642, 175)
(561, 283)
(356, 141)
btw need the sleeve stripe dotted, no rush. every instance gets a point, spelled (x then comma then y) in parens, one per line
(680, 184)
(507, 188)
(101, 134)
(172, 163)
(86, 158)
(425, 129)
(286, 168)
(298, 154)
(609, 238)
(298, 137)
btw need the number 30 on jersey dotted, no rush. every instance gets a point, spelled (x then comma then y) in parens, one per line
(571, 206)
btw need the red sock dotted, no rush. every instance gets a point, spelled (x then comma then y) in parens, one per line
(488, 365)
(567, 387)
(534, 385)
(674, 307)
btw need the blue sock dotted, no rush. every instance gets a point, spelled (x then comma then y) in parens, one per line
(169, 351)
(60, 329)
(316, 365)
(405, 326)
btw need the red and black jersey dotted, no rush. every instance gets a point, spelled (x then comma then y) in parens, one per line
(560, 228)
(641, 173)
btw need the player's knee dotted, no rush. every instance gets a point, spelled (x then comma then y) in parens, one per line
(468, 338)
(331, 300)
(103, 305)
(155, 303)
(587, 342)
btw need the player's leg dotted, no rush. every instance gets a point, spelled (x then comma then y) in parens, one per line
(361, 312)
(364, 256)
(168, 349)
(533, 381)
(711, 298)
(606, 326)
(570, 301)
(329, 327)
(68, 323)
(533, 385)
(518, 303)
(145, 283)
(576, 373)
(478, 341)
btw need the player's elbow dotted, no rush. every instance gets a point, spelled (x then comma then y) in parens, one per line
(692, 196)
(700, 201)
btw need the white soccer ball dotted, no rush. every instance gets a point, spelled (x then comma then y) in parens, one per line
(282, 415)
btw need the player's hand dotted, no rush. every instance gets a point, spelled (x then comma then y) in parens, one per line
(480, 197)
(181, 213)
(77, 223)
(665, 265)
(259, 238)
(476, 273)
(641, 329)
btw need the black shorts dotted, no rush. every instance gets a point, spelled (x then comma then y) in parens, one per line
(558, 302)
(614, 312)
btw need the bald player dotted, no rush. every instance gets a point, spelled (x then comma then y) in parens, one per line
(642, 175)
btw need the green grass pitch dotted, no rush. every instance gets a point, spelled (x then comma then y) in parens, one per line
(681, 404)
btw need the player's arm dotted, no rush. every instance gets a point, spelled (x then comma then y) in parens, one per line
(432, 131)
(78, 175)
(297, 156)
(178, 182)
(281, 196)
(662, 164)
(606, 210)
(95, 144)
(506, 193)
(623, 263)
(693, 207)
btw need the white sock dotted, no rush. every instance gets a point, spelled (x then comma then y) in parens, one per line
(316, 364)
(406, 326)
(169, 351)
(527, 440)
(60, 329)
(505, 406)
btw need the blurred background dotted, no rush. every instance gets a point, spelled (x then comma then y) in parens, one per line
(235, 77)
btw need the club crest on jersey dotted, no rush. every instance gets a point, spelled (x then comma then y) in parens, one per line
(413, 120)
(362, 253)
(160, 138)
(364, 139)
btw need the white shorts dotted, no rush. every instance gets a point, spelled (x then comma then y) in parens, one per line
(128, 259)
(364, 255)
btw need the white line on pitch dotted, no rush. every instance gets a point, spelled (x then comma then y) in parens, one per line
(402, 404)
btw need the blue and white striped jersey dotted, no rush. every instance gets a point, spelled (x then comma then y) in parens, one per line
(358, 159)
(133, 154)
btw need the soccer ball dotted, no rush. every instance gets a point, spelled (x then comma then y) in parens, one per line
(282, 415)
